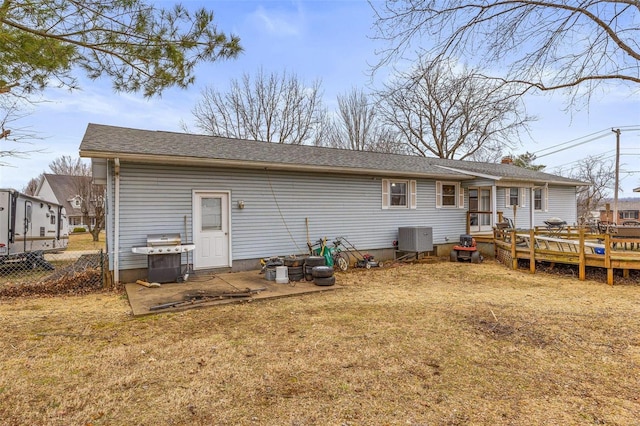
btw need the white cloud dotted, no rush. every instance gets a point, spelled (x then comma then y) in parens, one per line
(280, 22)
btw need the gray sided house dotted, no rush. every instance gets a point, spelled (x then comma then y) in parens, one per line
(239, 200)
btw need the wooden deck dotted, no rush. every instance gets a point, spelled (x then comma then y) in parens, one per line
(572, 246)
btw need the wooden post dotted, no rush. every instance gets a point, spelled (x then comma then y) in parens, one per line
(582, 267)
(468, 222)
(532, 251)
(607, 258)
(514, 255)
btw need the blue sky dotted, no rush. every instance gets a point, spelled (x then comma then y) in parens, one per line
(326, 40)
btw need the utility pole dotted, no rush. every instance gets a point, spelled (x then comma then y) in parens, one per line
(615, 189)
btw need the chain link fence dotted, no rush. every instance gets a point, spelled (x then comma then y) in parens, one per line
(38, 273)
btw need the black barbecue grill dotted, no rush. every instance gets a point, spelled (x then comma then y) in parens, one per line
(555, 225)
(164, 254)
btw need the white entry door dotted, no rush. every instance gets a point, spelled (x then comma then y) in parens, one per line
(211, 230)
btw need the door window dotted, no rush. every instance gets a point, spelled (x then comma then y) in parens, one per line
(211, 209)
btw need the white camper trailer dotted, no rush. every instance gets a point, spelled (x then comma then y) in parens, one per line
(30, 226)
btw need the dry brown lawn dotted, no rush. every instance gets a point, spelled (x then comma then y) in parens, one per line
(421, 344)
(84, 241)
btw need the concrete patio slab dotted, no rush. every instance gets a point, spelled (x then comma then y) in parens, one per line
(221, 288)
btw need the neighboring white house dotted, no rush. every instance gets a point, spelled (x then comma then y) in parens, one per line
(241, 200)
(64, 190)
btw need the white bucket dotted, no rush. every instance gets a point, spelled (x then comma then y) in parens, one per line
(282, 274)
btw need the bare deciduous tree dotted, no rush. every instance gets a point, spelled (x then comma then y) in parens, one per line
(449, 114)
(92, 204)
(272, 108)
(547, 45)
(32, 185)
(357, 126)
(601, 175)
(91, 195)
(66, 165)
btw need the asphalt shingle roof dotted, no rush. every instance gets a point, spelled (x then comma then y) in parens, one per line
(65, 187)
(101, 141)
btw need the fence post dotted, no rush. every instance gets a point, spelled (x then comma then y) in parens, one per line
(532, 251)
(102, 280)
(607, 258)
(582, 267)
(514, 254)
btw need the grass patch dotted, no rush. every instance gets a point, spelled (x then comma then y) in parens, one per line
(437, 344)
(84, 241)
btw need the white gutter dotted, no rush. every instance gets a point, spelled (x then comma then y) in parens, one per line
(494, 204)
(116, 219)
(532, 208)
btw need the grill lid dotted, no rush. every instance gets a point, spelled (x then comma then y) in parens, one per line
(159, 240)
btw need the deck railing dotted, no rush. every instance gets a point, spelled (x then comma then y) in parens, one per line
(576, 246)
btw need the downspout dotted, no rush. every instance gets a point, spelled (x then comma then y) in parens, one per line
(116, 220)
(494, 203)
(531, 207)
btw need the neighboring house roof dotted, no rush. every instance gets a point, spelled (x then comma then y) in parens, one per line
(65, 188)
(147, 146)
(623, 204)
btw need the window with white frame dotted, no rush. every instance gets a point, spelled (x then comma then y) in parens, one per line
(541, 198)
(537, 199)
(514, 197)
(399, 194)
(449, 195)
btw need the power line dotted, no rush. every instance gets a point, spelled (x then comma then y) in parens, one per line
(572, 146)
(600, 157)
(568, 142)
(603, 131)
